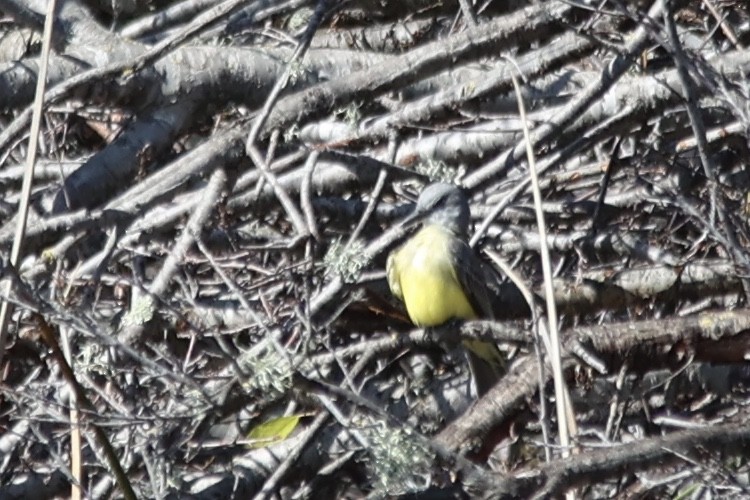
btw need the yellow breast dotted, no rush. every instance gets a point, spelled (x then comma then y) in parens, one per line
(423, 272)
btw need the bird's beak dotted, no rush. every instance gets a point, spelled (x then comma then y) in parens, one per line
(412, 219)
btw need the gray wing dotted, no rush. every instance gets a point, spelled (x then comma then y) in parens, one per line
(486, 362)
(472, 278)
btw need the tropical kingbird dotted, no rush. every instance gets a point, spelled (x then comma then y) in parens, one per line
(438, 277)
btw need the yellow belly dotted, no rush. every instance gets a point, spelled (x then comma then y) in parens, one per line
(431, 291)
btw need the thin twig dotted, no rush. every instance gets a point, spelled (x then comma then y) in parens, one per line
(6, 309)
(549, 293)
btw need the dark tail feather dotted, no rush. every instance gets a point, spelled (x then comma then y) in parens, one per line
(485, 373)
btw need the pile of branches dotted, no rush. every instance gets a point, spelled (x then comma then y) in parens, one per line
(198, 306)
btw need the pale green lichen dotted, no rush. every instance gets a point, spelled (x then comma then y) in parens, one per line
(346, 260)
(439, 171)
(350, 114)
(399, 462)
(141, 311)
(271, 373)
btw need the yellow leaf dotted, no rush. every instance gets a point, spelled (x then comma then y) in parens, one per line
(273, 431)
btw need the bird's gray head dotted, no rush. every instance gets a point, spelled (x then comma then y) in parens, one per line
(445, 205)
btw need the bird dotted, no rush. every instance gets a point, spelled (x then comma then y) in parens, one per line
(437, 276)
